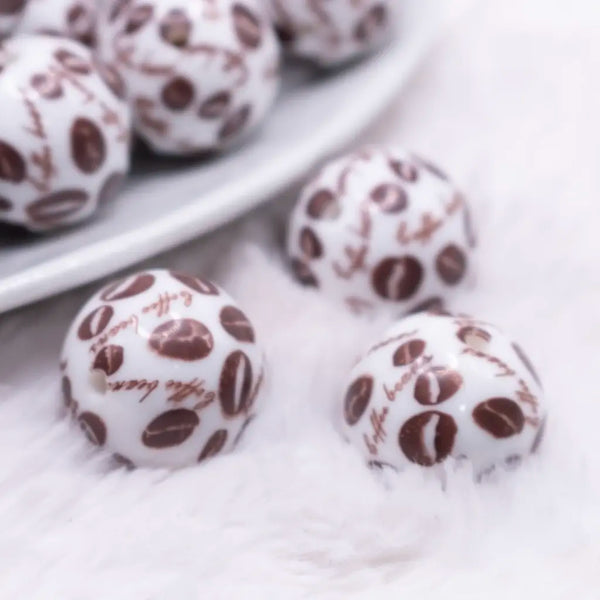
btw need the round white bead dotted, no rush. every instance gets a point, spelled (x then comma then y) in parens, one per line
(334, 32)
(438, 386)
(381, 229)
(200, 75)
(65, 147)
(163, 369)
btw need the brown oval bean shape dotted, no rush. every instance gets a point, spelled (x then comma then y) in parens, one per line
(214, 445)
(127, 287)
(235, 385)
(412, 438)
(95, 323)
(500, 417)
(357, 399)
(182, 339)
(236, 324)
(397, 278)
(94, 428)
(170, 429)
(437, 385)
(408, 352)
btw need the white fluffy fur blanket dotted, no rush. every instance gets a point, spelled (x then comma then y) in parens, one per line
(508, 103)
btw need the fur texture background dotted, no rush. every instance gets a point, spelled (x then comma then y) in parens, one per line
(508, 103)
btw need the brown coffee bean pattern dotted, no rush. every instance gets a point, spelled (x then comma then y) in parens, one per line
(81, 24)
(528, 364)
(138, 17)
(389, 198)
(182, 339)
(127, 287)
(408, 352)
(214, 445)
(88, 148)
(215, 106)
(500, 417)
(111, 187)
(357, 399)
(94, 428)
(235, 385)
(247, 26)
(73, 62)
(118, 8)
(303, 273)
(5, 204)
(47, 86)
(310, 244)
(413, 438)
(405, 170)
(236, 324)
(170, 429)
(437, 385)
(178, 93)
(397, 278)
(56, 207)
(175, 28)
(95, 323)
(67, 391)
(11, 7)
(109, 359)
(112, 78)
(198, 284)
(323, 204)
(234, 125)
(371, 24)
(451, 264)
(12, 164)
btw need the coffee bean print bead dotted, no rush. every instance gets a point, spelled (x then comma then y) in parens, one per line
(381, 232)
(201, 78)
(74, 19)
(438, 388)
(165, 367)
(334, 32)
(66, 146)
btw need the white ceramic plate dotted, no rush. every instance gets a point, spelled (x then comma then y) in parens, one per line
(168, 203)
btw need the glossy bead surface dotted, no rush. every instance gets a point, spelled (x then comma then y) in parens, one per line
(65, 147)
(381, 229)
(334, 32)
(162, 369)
(438, 387)
(200, 75)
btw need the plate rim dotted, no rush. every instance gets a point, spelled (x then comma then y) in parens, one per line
(99, 259)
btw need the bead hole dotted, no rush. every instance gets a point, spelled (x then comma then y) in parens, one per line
(98, 381)
(477, 341)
